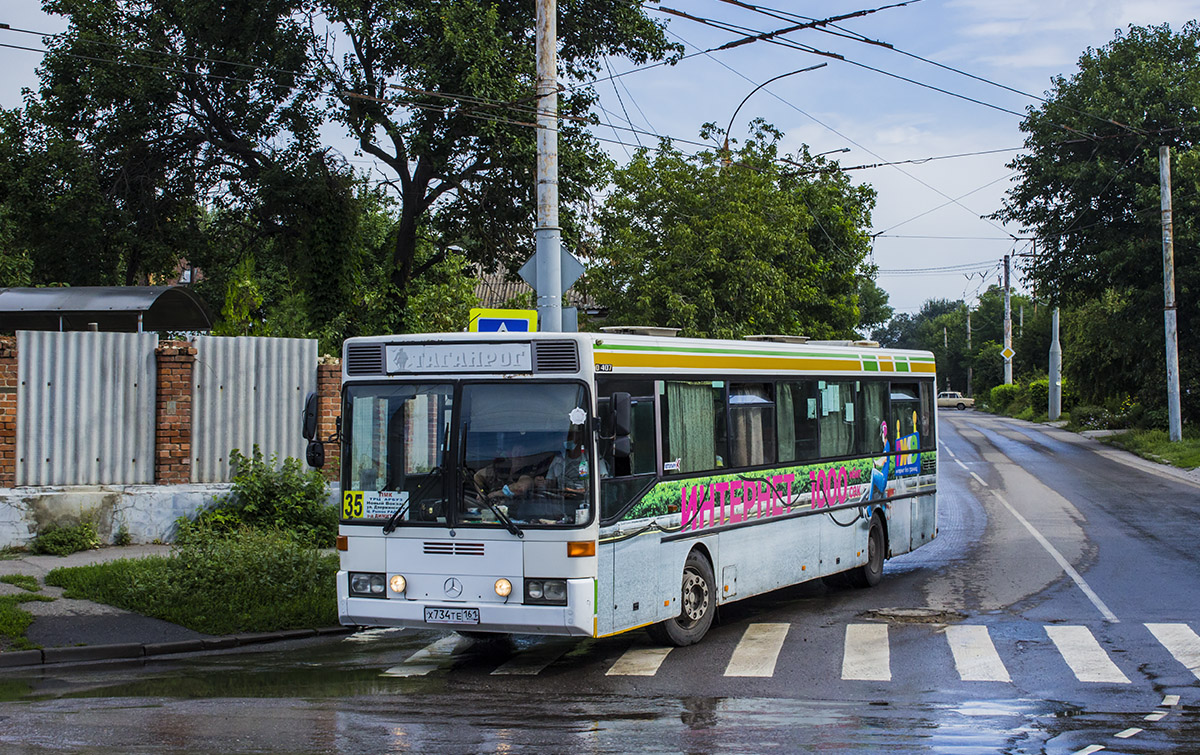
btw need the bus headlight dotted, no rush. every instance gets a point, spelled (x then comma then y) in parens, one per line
(367, 585)
(551, 592)
(503, 587)
(398, 583)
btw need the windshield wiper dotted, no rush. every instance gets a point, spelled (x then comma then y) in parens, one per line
(390, 526)
(509, 524)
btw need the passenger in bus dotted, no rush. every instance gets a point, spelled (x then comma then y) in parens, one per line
(569, 471)
(879, 475)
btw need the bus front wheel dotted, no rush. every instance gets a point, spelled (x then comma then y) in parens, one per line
(871, 573)
(698, 604)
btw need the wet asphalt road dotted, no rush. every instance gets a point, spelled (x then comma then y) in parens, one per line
(1052, 614)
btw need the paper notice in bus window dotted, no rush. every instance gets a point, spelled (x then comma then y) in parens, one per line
(848, 415)
(381, 504)
(812, 408)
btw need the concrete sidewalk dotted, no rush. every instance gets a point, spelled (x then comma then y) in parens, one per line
(79, 630)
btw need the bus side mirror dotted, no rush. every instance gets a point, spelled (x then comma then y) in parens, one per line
(622, 447)
(314, 454)
(622, 407)
(309, 429)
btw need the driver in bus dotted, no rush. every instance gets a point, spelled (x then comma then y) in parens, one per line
(508, 478)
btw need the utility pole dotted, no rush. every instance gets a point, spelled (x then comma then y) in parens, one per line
(1021, 321)
(548, 234)
(970, 354)
(1164, 182)
(1054, 411)
(1007, 326)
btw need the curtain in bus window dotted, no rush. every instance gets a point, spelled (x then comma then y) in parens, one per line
(905, 424)
(928, 394)
(752, 424)
(797, 411)
(695, 428)
(872, 402)
(368, 460)
(838, 413)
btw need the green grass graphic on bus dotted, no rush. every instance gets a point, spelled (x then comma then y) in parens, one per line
(731, 498)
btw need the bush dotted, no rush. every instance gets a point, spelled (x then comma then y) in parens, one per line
(1038, 392)
(218, 582)
(1088, 417)
(56, 540)
(1003, 397)
(268, 494)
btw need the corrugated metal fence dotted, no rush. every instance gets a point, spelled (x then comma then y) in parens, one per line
(248, 391)
(85, 411)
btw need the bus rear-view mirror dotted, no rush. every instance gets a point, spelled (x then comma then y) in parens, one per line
(309, 429)
(621, 410)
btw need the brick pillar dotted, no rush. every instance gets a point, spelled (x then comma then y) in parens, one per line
(8, 411)
(329, 408)
(173, 415)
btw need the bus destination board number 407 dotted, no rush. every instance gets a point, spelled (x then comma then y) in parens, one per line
(588, 484)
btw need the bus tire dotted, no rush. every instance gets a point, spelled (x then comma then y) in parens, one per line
(698, 605)
(871, 573)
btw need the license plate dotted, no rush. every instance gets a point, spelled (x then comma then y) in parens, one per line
(451, 615)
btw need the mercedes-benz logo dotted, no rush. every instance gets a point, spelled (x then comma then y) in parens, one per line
(453, 587)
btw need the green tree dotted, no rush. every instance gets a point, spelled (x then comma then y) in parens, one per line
(873, 307)
(726, 246)
(1089, 189)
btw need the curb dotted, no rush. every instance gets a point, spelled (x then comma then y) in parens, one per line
(132, 650)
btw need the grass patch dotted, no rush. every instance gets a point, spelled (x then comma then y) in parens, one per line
(11, 553)
(23, 581)
(14, 621)
(218, 583)
(1156, 446)
(63, 541)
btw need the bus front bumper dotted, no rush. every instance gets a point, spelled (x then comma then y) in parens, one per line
(576, 619)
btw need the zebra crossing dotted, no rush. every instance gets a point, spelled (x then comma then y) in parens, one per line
(866, 654)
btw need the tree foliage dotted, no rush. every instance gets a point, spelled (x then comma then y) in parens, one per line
(1089, 189)
(728, 246)
(202, 130)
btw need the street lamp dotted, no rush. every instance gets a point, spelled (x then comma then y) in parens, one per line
(755, 89)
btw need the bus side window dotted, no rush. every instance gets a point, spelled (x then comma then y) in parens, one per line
(797, 416)
(871, 415)
(928, 397)
(751, 424)
(693, 426)
(839, 401)
(641, 439)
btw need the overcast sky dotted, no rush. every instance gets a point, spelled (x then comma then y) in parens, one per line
(928, 214)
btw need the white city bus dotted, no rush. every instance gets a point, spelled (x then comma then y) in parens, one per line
(588, 484)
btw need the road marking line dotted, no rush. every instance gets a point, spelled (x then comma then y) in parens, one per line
(975, 656)
(1127, 733)
(639, 661)
(756, 653)
(1156, 716)
(1181, 642)
(1084, 655)
(530, 662)
(964, 466)
(867, 656)
(1062, 561)
(979, 480)
(1089, 750)
(1170, 701)
(429, 658)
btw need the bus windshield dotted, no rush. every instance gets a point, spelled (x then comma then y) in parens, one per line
(470, 454)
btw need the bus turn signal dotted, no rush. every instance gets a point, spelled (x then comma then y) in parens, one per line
(578, 548)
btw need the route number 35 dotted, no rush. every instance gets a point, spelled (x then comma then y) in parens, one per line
(352, 504)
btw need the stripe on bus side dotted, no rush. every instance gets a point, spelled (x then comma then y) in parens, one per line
(713, 360)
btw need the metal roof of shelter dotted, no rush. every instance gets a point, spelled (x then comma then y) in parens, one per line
(127, 309)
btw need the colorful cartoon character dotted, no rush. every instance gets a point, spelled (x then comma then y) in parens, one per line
(880, 472)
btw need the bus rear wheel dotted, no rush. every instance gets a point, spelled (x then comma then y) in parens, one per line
(871, 573)
(698, 605)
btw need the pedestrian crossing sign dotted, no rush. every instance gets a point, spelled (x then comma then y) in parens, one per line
(503, 321)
